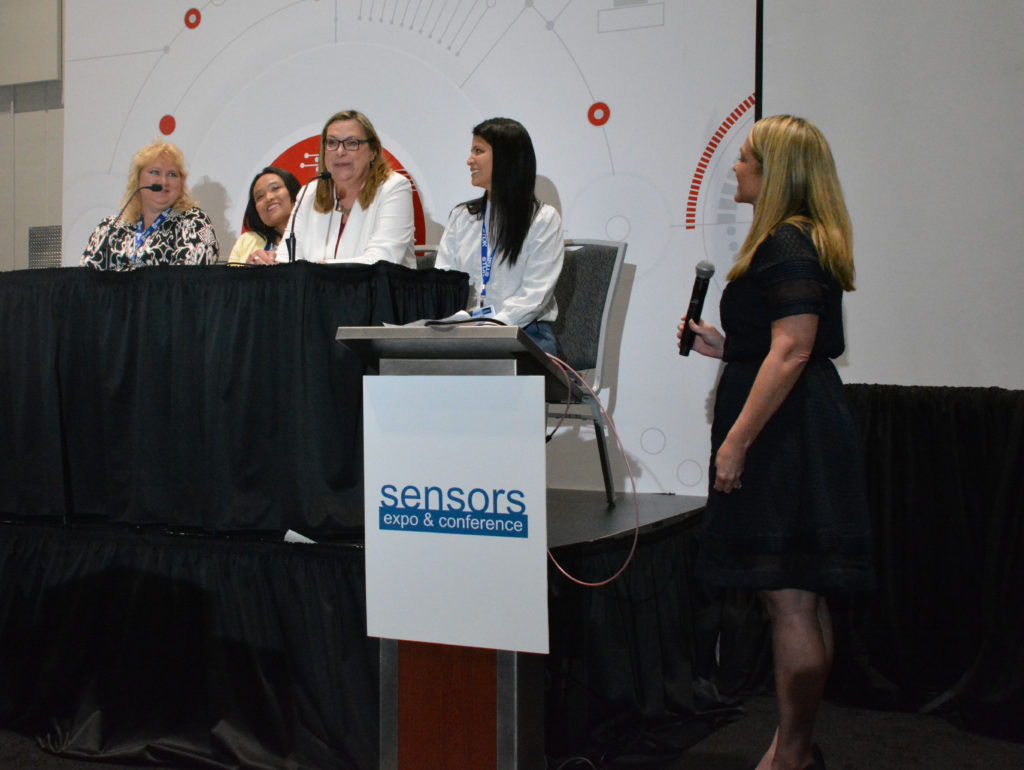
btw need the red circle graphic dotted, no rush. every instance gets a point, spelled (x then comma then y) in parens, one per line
(167, 125)
(598, 113)
(192, 18)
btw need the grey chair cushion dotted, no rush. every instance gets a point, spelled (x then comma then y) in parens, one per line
(581, 293)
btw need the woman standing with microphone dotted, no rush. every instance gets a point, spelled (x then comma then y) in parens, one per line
(787, 507)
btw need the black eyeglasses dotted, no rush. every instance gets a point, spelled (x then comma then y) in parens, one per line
(350, 143)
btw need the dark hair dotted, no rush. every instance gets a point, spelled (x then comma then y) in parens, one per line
(513, 177)
(251, 219)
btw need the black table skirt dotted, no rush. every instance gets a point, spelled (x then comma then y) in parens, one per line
(209, 398)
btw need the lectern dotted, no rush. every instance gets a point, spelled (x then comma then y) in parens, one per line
(477, 701)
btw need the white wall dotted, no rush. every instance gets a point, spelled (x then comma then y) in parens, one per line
(922, 102)
(29, 41)
(31, 124)
(31, 146)
(31, 151)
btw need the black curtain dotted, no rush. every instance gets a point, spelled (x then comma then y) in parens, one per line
(213, 398)
(944, 631)
(945, 470)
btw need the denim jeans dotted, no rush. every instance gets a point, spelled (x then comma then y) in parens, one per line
(541, 333)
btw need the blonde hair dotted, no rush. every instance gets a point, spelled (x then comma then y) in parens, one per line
(799, 186)
(380, 170)
(156, 150)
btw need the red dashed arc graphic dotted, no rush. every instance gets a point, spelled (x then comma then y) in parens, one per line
(705, 159)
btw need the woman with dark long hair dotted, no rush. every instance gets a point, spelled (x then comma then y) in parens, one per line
(509, 243)
(787, 510)
(271, 197)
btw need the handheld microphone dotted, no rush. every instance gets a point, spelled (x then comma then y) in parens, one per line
(105, 244)
(700, 289)
(290, 240)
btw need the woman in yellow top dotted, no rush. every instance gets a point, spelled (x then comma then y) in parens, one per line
(271, 197)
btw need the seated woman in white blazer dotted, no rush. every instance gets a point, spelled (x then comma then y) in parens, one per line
(358, 209)
(509, 243)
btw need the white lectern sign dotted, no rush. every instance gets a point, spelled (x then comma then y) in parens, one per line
(456, 516)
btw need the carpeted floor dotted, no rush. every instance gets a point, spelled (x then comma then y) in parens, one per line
(851, 738)
(857, 739)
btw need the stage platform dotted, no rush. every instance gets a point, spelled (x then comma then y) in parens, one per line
(578, 516)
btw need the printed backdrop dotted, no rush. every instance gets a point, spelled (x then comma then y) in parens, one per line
(636, 109)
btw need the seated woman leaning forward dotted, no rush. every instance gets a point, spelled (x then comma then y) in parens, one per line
(159, 222)
(509, 243)
(358, 209)
(271, 197)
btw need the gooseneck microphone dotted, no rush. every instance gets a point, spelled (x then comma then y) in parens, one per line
(289, 242)
(105, 243)
(700, 289)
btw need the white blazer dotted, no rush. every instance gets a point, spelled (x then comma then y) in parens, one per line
(382, 231)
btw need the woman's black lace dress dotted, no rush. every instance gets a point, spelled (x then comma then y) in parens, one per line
(801, 518)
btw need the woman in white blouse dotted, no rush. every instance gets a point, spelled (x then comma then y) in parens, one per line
(509, 243)
(357, 209)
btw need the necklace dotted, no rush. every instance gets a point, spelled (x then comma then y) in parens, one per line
(339, 207)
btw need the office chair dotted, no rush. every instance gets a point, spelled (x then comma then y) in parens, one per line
(585, 294)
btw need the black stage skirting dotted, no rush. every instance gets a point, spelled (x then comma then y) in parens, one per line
(141, 646)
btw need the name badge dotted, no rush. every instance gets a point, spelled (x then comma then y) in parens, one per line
(487, 311)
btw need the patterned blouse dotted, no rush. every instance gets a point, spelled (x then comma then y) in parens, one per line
(183, 238)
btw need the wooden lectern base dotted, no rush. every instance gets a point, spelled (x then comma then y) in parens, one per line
(447, 701)
(452, 707)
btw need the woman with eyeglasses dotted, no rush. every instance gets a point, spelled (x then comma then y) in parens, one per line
(358, 209)
(509, 243)
(271, 197)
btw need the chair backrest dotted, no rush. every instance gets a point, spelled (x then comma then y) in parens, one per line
(585, 294)
(425, 254)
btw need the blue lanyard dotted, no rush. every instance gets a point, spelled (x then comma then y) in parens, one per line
(140, 236)
(486, 257)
